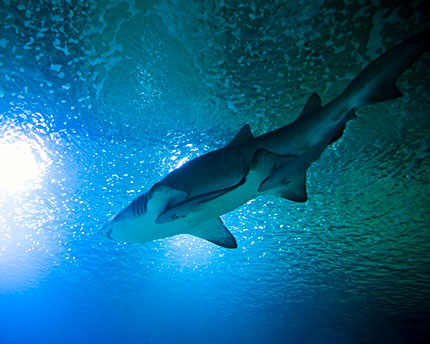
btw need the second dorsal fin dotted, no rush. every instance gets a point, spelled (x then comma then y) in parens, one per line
(312, 106)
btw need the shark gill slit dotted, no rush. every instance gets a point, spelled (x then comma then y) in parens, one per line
(139, 205)
(134, 207)
(145, 203)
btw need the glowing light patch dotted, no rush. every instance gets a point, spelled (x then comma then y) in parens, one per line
(182, 161)
(23, 250)
(178, 163)
(19, 167)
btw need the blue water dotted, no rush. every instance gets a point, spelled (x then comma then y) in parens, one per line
(101, 99)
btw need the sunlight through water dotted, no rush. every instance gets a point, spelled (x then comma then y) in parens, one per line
(100, 100)
(19, 166)
(23, 164)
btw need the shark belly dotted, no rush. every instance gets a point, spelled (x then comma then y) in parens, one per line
(226, 202)
(134, 228)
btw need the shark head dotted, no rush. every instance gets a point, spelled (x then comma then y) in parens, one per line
(136, 223)
(126, 229)
(121, 226)
(111, 230)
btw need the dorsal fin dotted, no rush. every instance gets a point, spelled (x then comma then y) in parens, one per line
(312, 106)
(244, 135)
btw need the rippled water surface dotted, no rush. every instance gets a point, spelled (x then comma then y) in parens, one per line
(101, 99)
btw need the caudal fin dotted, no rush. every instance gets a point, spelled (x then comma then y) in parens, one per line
(377, 82)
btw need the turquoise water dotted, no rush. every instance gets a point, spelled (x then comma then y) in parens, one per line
(101, 99)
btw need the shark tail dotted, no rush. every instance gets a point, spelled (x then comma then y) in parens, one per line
(377, 82)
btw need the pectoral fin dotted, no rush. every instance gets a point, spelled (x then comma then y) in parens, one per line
(161, 196)
(191, 204)
(215, 232)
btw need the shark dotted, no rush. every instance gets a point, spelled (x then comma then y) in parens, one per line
(191, 199)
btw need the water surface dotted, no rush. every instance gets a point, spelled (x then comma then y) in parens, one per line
(101, 99)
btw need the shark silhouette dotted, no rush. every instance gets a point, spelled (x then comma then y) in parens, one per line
(191, 199)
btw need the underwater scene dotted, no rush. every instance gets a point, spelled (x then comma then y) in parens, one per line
(102, 99)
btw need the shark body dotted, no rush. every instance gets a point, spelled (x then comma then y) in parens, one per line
(191, 199)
